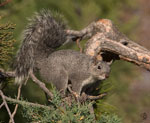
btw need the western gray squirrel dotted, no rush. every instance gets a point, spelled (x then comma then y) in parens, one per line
(64, 66)
(43, 35)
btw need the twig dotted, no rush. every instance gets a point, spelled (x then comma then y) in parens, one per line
(78, 44)
(96, 97)
(72, 92)
(41, 85)
(1, 105)
(18, 96)
(7, 108)
(85, 33)
(90, 97)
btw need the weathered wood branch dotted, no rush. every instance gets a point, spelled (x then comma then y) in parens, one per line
(110, 31)
(125, 51)
(99, 43)
(143, 65)
(104, 36)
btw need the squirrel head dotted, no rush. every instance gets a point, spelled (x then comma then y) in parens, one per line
(100, 70)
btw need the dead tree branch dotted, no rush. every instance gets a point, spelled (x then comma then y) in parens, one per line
(146, 66)
(99, 43)
(116, 47)
(104, 36)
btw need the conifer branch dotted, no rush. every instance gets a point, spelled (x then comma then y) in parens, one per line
(25, 103)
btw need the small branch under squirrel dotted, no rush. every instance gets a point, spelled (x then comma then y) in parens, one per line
(11, 74)
(41, 85)
(85, 96)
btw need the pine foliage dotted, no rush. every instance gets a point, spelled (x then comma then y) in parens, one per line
(62, 112)
(6, 43)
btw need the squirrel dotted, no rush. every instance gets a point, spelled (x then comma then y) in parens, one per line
(65, 67)
(43, 36)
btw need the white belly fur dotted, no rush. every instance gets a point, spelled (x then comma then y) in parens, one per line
(87, 81)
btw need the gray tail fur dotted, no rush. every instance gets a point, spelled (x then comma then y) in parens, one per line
(44, 30)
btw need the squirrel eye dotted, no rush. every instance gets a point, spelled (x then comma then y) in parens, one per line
(99, 67)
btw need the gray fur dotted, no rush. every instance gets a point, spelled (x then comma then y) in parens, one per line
(42, 36)
(68, 65)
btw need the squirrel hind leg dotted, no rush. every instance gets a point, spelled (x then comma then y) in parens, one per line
(61, 82)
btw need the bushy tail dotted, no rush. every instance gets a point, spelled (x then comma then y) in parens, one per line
(44, 29)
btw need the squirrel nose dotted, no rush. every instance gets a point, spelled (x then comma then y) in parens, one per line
(106, 75)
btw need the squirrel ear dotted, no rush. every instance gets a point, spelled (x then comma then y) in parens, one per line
(95, 60)
(110, 62)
